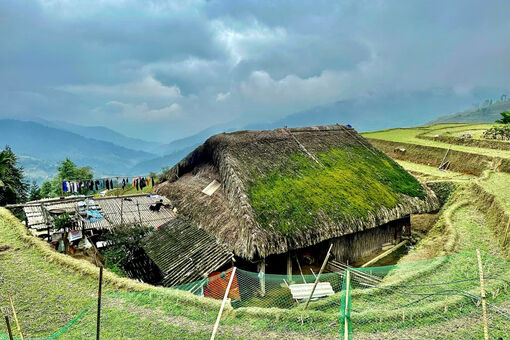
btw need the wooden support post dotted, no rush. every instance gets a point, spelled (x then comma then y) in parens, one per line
(16, 319)
(289, 267)
(98, 329)
(262, 276)
(506, 232)
(8, 324)
(482, 294)
(346, 310)
(319, 275)
(217, 323)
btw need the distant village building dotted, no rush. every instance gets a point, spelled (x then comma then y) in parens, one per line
(277, 199)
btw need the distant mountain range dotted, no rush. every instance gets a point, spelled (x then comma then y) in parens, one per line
(483, 114)
(42, 144)
(104, 134)
(40, 148)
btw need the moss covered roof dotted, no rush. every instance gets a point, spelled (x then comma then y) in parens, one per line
(291, 188)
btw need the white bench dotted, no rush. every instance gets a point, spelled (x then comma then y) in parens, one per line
(302, 291)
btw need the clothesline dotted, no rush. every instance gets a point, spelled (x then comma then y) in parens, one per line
(104, 178)
(85, 185)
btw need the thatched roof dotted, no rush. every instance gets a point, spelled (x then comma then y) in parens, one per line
(291, 188)
(184, 253)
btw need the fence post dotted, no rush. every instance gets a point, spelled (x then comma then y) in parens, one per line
(9, 331)
(217, 323)
(99, 302)
(346, 310)
(16, 318)
(319, 275)
(482, 293)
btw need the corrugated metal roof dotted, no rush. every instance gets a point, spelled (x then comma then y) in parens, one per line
(184, 253)
(132, 209)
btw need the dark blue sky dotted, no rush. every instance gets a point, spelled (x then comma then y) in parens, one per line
(162, 70)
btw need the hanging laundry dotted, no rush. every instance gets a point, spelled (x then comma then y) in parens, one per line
(152, 178)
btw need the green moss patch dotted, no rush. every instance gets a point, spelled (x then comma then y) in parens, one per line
(353, 182)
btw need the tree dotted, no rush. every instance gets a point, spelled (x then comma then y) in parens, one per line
(67, 171)
(34, 193)
(13, 188)
(505, 118)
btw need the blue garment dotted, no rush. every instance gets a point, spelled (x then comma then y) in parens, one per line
(64, 187)
(94, 216)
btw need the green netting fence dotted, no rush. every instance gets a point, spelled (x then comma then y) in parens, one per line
(434, 299)
(438, 298)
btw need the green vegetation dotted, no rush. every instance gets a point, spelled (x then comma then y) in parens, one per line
(292, 197)
(505, 118)
(124, 248)
(13, 188)
(67, 171)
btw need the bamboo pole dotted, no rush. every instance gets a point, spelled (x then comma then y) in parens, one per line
(16, 319)
(98, 329)
(482, 293)
(217, 323)
(347, 288)
(299, 266)
(9, 331)
(506, 232)
(319, 275)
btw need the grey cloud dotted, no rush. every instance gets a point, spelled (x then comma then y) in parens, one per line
(191, 64)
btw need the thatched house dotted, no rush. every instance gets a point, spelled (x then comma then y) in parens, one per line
(267, 194)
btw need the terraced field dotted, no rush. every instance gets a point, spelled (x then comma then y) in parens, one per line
(414, 136)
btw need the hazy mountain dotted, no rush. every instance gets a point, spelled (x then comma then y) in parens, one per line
(369, 113)
(156, 164)
(104, 134)
(484, 114)
(40, 148)
(196, 139)
(375, 113)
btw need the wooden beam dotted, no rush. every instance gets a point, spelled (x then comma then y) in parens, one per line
(262, 276)
(386, 253)
(289, 266)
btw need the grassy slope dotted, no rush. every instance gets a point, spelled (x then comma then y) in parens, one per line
(50, 290)
(295, 196)
(409, 136)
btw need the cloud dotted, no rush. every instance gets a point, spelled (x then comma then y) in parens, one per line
(186, 65)
(138, 112)
(147, 87)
